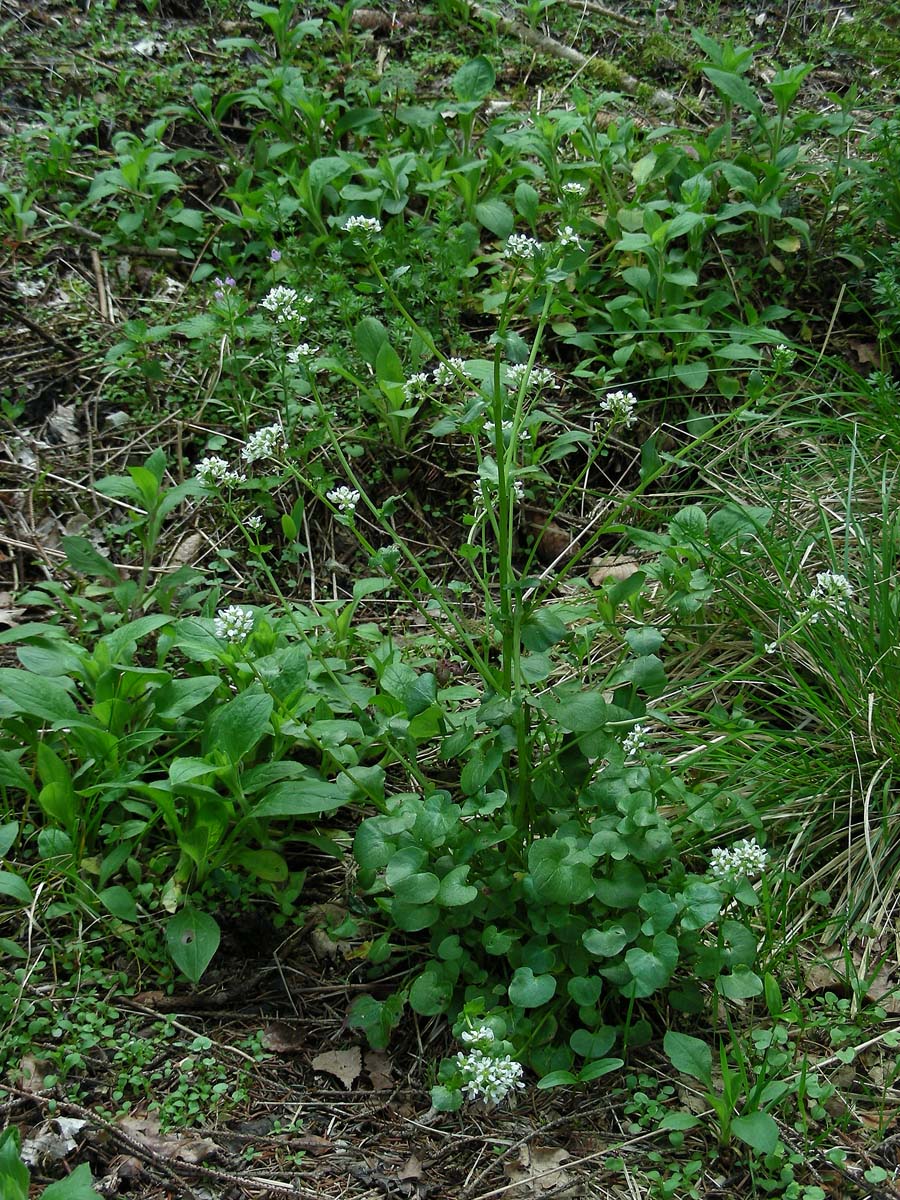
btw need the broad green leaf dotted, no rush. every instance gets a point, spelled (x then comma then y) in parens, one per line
(53, 843)
(473, 80)
(585, 991)
(8, 834)
(15, 887)
(264, 864)
(418, 888)
(370, 335)
(527, 990)
(120, 902)
(76, 1186)
(559, 874)
(734, 88)
(557, 1079)
(651, 969)
(605, 943)
(13, 1172)
(192, 938)
(179, 696)
(741, 984)
(35, 696)
(592, 1043)
(236, 727)
(303, 798)
(759, 1130)
(430, 993)
(496, 216)
(83, 556)
(599, 1068)
(689, 1055)
(454, 891)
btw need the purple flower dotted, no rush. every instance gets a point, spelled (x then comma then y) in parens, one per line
(275, 256)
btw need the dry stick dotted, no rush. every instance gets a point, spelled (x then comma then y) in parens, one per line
(102, 298)
(628, 83)
(603, 11)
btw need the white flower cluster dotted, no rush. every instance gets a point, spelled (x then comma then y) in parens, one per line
(537, 377)
(215, 472)
(489, 1079)
(620, 406)
(519, 245)
(518, 492)
(304, 353)
(635, 740)
(344, 499)
(783, 357)
(568, 237)
(267, 442)
(234, 623)
(448, 372)
(471, 1037)
(745, 859)
(255, 523)
(572, 188)
(366, 228)
(506, 428)
(284, 303)
(417, 385)
(831, 593)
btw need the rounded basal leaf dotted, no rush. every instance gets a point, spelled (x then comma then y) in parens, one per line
(454, 891)
(557, 874)
(444, 1099)
(759, 1130)
(741, 984)
(585, 991)
(192, 938)
(651, 969)
(120, 902)
(605, 943)
(420, 888)
(528, 990)
(430, 993)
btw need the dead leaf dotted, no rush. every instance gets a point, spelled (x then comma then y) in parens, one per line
(145, 1132)
(9, 614)
(60, 426)
(344, 1065)
(53, 1142)
(867, 352)
(281, 1039)
(412, 1169)
(322, 946)
(187, 552)
(380, 1070)
(613, 569)
(31, 1073)
(539, 1170)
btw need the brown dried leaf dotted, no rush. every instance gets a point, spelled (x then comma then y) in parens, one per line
(188, 551)
(344, 1065)
(614, 569)
(539, 1170)
(281, 1039)
(867, 352)
(145, 1132)
(380, 1070)
(412, 1169)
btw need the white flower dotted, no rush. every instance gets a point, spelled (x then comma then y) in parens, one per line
(344, 499)
(568, 237)
(489, 1079)
(448, 372)
(635, 740)
(830, 594)
(255, 523)
(506, 428)
(234, 623)
(284, 304)
(483, 1033)
(267, 442)
(215, 472)
(417, 385)
(770, 648)
(620, 406)
(519, 245)
(745, 860)
(572, 188)
(783, 357)
(303, 353)
(366, 227)
(517, 494)
(537, 377)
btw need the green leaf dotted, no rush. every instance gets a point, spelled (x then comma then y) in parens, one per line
(83, 556)
(431, 992)
(32, 695)
(192, 938)
(651, 969)
(559, 874)
(303, 798)
(13, 1172)
(693, 374)
(759, 1130)
(418, 888)
(583, 712)
(8, 834)
(473, 80)
(689, 1055)
(76, 1186)
(179, 696)
(12, 885)
(496, 216)
(741, 984)
(591, 1044)
(444, 1099)
(237, 726)
(527, 202)
(734, 88)
(264, 864)
(454, 891)
(605, 943)
(370, 335)
(120, 902)
(598, 1068)
(585, 991)
(557, 1079)
(527, 990)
